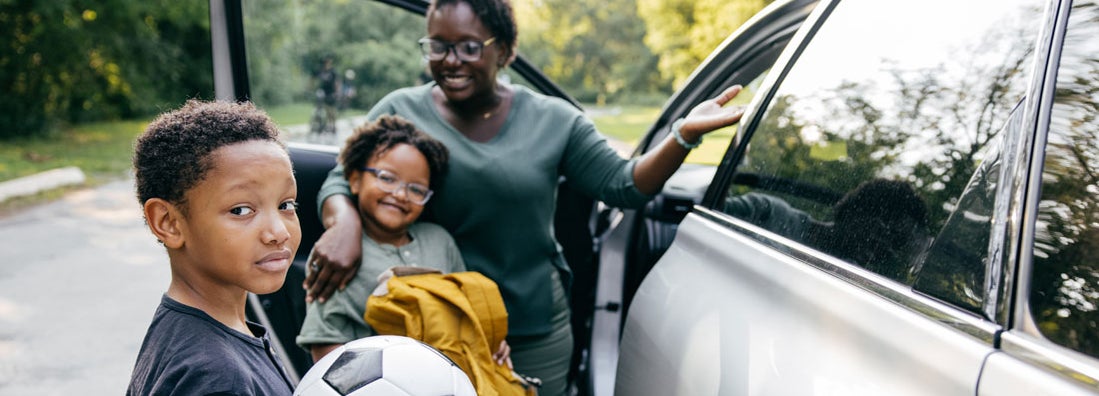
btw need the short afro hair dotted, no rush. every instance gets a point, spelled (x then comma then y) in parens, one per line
(375, 138)
(497, 16)
(173, 154)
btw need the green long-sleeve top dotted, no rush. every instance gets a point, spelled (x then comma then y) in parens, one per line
(498, 197)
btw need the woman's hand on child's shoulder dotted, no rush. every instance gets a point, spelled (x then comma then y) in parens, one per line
(334, 261)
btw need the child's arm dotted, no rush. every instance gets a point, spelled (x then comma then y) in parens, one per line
(320, 350)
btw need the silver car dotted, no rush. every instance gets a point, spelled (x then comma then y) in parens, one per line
(910, 206)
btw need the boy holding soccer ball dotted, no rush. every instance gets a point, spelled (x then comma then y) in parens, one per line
(218, 191)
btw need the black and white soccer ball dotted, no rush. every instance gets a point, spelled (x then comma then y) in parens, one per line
(385, 365)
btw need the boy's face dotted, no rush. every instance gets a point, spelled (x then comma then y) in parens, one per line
(241, 228)
(387, 216)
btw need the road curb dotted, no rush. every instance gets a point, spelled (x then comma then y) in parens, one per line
(36, 183)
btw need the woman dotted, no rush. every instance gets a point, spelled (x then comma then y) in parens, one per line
(508, 148)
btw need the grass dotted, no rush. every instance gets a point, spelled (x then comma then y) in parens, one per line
(102, 150)
(291, 114)
(624, 123)
(299, 113)
(630, 123)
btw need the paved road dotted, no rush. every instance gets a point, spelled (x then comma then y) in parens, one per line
(79, 281)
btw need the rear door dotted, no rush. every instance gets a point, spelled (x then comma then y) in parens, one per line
(850, 242)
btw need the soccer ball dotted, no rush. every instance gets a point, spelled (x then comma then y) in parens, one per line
(385, 365)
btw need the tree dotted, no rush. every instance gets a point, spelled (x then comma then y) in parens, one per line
(591, 48)
(287, 39)
(68, 61)
(683, 32)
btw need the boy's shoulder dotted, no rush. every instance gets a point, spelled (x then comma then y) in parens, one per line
(187, 337)
(190, 352)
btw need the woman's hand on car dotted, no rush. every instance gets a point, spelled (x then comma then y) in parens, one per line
(711, 115)
(335, 257)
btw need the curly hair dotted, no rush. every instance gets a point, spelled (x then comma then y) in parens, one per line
(497, 16)
(174, 152)
(375, 138)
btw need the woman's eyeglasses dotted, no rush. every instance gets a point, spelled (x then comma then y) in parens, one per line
(390, 183)
(466, 51)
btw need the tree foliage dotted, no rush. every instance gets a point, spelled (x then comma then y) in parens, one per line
(288, 39)
(593, 47)
(683, 32)
(74, 61)
(77, 60)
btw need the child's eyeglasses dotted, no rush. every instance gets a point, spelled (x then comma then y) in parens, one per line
(390, 183)
(466, 51)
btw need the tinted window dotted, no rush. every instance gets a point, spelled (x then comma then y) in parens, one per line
(1065, 285)
(880, 131)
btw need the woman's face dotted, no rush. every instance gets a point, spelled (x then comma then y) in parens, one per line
(463, 80)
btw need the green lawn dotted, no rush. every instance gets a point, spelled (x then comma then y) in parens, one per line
(630, 123)
(299, 113)
(624, 123)
(102, 150)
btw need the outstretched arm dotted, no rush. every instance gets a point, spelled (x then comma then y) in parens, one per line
(655, 167)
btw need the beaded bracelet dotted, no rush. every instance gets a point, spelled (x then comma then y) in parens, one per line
(679, 137)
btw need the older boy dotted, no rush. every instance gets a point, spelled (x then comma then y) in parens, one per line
(218, 191)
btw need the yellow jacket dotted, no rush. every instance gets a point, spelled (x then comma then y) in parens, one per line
(461, 314)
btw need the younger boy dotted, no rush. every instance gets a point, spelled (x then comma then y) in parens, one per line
(392, 169)
(218, 191)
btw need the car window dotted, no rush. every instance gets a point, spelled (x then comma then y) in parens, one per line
(883, 123)
(373, 51)
(1065, 282)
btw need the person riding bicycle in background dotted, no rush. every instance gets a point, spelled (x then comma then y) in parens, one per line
(328, 98)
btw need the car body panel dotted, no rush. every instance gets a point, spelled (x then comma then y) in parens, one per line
(743, 319)
(1035, 367)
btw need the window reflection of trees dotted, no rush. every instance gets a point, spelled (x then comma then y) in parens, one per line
(1065, 285)
(926, 125)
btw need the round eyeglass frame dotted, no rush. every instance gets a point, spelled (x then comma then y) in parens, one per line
(427, 49)
(400, 185)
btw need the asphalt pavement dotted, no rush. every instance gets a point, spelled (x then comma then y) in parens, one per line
(79, 281)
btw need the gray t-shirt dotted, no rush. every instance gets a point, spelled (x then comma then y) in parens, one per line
(340, 319)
